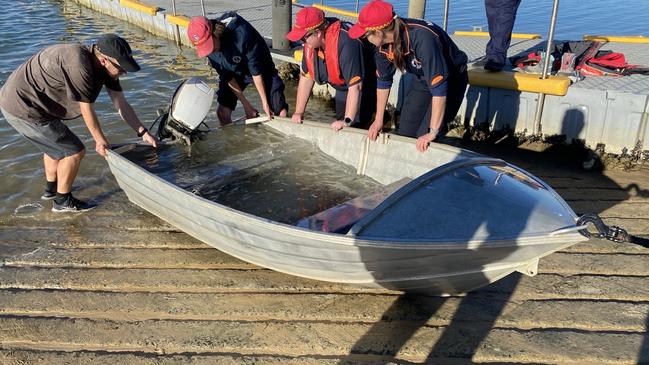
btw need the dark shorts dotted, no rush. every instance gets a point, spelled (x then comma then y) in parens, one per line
(416, 107)
(273, 85)
(53, 138)
(366, 109)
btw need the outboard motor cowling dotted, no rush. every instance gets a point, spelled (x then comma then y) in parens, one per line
(189, 107)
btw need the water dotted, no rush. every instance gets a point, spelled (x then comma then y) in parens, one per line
(575, 18)
(256, 170)
(164, 66)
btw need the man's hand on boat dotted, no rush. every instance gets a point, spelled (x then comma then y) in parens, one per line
(250, 111)
(101, 145)
(425, 140)
(150, 139)
(374, 130)
(267, 110)
(297, 118)
(338, 125)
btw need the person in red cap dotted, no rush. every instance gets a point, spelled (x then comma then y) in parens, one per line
(240, 56)
(332, 57)
(62, 82)
(423, 50)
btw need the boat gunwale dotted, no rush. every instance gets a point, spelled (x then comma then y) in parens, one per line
(383, 138)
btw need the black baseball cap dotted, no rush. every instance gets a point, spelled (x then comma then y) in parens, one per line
(116, 47)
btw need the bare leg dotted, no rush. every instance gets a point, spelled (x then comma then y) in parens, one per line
(283, 113)
(224, 114)
(67, 170)
(51, 166)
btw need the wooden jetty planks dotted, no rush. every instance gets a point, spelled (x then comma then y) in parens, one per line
(631, 261)
(478, 307)
(542, 286)
(407, 340)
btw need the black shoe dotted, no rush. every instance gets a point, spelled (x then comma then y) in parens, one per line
(71, 205)
(48, 195)
(494, 66)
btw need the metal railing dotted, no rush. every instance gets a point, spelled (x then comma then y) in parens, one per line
(445, 21)
(540, 102)
(176, 29)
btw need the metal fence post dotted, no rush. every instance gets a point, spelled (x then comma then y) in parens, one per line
(176, 30)
(546, 64)
(445, 24)
(417, 9)
(357, 5)
(644, 120)
(282, 14)
(203, 7)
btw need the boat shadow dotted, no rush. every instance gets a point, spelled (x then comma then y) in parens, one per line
(458, 327)
(419, 318)
(454, 327)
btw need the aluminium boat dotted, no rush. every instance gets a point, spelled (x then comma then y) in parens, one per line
(448, 221)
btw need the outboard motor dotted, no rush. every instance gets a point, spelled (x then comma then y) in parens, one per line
(189, 107)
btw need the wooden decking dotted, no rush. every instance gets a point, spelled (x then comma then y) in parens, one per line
(118, 286)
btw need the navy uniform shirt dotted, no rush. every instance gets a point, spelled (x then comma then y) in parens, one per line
(429, 54)
(350, 59)
(243, 52)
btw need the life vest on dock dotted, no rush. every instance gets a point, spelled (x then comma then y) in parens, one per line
(331, 59)
(607, 63)
(584, 57)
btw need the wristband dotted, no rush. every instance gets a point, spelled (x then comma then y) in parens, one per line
(143, 132)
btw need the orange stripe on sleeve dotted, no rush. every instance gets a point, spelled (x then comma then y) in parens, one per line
(436, 79)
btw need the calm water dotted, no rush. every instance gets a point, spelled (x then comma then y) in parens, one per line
(164, 66)
(575, 18)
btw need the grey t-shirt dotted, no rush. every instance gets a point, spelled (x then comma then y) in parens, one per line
(50, 85)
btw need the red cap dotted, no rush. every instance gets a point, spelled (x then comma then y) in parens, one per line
(199, 33)
(306, 19)
(375, 15)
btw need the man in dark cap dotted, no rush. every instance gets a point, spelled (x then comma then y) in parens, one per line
(62, 82)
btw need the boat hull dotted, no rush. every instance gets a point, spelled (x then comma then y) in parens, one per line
(432, 267)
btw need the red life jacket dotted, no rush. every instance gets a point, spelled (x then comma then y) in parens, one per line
(614, 63)
(610, 60)
(602, 63)
(331, 59)
(607, 64)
